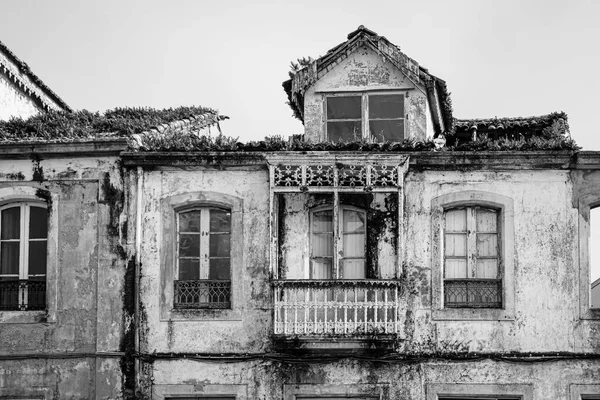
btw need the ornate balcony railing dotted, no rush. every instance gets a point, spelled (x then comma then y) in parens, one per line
(339, 307)
(473, 293)
(203, 294)
(22, 295)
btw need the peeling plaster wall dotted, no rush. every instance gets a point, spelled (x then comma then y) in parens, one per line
(262, 380)
(13, 102)
(247, 326)
(546, 261)
(546, 291)
(85, 273)
(365, 71)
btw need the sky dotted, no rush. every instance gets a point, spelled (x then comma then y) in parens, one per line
(499, 58)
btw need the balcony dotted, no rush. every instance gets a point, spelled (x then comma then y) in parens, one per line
(203, 293)
(336, 307)
(22, 295)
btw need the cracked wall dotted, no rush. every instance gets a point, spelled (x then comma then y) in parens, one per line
(77, 341)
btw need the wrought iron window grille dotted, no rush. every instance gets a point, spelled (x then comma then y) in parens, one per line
(473, 293)
(205, 293)
(22, 295)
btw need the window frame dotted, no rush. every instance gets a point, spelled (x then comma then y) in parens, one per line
(24, 242)
(171, 206)
(365, 133)
(299, 391)
(204, 258)
(505, 208)
(582, 391)
(29, 192)
(585, 204)
(477, 391)
(471, 249)
(174, 391)
(338, 231)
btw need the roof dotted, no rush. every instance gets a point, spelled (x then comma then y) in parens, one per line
(312, 70)
(20, 74)
(141, 124)
(549, 125)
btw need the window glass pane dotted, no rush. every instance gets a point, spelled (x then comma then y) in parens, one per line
(456, 220)
(219, 268)
(322, 245)
(219, 245)
(189, 269)
(321, 269)
(37, 257)
(387, 130)
(344, 131)
(487, 268)
(354, 245)
(386, 106)
(456, 268)
(220, 220)
(38, 223)
(189, 245)
(353, 269)
(456, 244)
(487, 244)
(11, 227)
(189, 221)
(486, 221)
(322, 221)
(9, 263)
(353, 221)
(346, 107)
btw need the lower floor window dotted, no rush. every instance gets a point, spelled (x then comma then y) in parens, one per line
(479, 398)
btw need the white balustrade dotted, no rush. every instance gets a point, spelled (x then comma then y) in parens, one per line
(336, 307)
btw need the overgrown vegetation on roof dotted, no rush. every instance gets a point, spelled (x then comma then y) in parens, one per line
(120, 122)
(221, 143)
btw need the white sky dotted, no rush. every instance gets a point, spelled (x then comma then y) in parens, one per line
(500, 58)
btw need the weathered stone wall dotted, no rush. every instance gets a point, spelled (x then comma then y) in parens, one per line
(546, 291)
(13, 102)
(365, 71)
(72, 350)
(246, 327)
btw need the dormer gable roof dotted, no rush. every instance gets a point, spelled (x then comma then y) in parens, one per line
(313, 70)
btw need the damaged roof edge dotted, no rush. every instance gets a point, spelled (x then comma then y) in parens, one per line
(24, 68)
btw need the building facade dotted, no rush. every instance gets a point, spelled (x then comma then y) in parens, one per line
(395, 252)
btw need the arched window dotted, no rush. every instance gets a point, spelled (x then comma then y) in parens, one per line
(337, 251)
(472, 262)
(203, 262)
(23, 243)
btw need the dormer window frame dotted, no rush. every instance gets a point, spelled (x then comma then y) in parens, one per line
(365, 115)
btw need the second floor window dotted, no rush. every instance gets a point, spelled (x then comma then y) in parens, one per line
(203, 258)
(379, 117)
(472, 263)
(23, 241)
(348, 236)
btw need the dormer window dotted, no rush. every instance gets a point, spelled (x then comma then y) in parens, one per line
(378, 117)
